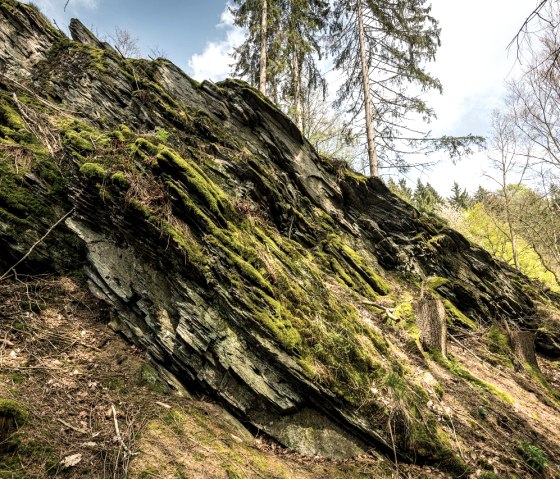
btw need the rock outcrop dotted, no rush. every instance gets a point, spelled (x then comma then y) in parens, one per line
(243, 263)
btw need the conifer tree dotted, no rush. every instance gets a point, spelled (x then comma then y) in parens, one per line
(280, 50)
(401, 189)
(459, 197)
(259, 58)
(426, 198)
(380, 46)
(304, 22)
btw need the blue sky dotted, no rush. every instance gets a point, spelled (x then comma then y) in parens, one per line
(472, 63)
(179, 28)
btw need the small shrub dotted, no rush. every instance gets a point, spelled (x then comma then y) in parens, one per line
(162, 135)
(534, 457)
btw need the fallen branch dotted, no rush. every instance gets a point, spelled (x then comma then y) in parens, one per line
(474, 355)
(455, 340)
(69, 426)
(40, 127)
(37, 243)
(33, 368)
(388, 311)
(85, 345)
(118, 435)
(117, 430)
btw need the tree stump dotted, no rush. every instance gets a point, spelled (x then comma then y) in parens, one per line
(523, 345)
(12, 416)
(7, 426)
(430, 318)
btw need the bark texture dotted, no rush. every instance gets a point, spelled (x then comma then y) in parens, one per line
(430, 318)
(264, 38)
(523, 345)
(370, 126)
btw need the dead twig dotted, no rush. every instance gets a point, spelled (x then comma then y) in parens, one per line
(37, 243)
(85, 345)
(117, 429)
(40, 126)
(70, 426)
(388, 311)
(31, 92)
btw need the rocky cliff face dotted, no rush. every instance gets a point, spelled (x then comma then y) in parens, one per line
(247, 267)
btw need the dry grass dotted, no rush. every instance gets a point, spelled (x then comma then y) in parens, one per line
(68, 370)
(61, 362)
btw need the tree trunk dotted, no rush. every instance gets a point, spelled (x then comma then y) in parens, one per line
(264, 29)
(512, 237)
(370, 129)
(430, 318)
(296, 72)
(8, 425)
(523, 345)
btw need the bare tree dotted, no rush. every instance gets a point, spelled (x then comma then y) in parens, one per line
(157, 52)
(125, 43)
(538, 222)
(534, 106)
(542, 17)
(507, 158)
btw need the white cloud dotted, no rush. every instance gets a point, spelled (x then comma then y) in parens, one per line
(472, 64)
(226, 18)
(214, 63)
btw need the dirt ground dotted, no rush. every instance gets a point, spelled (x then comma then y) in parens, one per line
(93, 407)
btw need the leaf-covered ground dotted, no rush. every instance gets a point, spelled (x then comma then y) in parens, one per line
(66, 369)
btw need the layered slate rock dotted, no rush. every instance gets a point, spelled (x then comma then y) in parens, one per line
(240, 260)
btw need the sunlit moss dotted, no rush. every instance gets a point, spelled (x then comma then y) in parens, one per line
(93, 170)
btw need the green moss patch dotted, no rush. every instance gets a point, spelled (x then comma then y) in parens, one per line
(93, 170)
(150, 378)
(435, 282)
(351, 268)
(454, 367)
(456, 316)
(14, 411)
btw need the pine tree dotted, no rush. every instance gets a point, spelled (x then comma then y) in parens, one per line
(401, 189)
(380, 47)
(305, 20)
(459, 197)
(280, 50)
(481, 195)
(426, 198)
(260, 58)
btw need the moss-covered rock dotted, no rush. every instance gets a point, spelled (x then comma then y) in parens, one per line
(270, 278)
(150, 378)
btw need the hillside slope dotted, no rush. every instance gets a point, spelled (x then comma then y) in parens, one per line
(252, 271)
